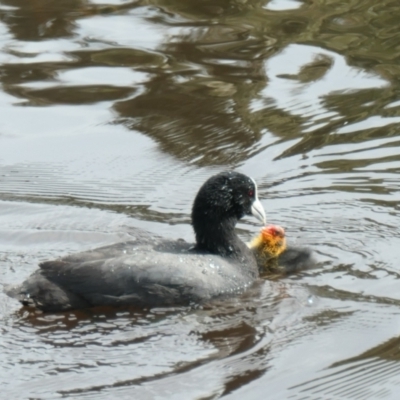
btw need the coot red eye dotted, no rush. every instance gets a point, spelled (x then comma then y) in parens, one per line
(251, 193)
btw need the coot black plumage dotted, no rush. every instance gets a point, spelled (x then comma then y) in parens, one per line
(152, 271)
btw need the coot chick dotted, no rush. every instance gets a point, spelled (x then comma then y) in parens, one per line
(152, 271)
(274, 257)
(270, 243)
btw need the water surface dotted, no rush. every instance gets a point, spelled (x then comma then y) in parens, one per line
(114, 113)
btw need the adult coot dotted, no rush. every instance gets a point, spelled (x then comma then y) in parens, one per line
(152, 271)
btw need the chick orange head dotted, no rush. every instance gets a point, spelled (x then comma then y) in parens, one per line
(271, 242)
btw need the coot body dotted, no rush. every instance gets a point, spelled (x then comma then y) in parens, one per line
(152, 271)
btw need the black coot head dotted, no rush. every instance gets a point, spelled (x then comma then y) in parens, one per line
(221, 202)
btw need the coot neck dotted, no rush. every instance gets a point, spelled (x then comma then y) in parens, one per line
(219, 238)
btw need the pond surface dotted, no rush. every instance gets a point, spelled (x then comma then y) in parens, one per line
(115, 112)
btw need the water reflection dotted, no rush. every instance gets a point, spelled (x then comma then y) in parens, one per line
(210, 95)
(192, 341)
(41, 19)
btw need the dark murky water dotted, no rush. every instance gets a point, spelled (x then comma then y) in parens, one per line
(114, 112)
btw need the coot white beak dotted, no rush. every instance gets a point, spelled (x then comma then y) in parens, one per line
(256, 208)
(258, 211)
